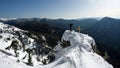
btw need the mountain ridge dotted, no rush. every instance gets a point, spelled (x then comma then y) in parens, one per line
(19, 58)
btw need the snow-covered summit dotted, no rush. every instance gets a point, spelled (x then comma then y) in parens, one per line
(80, 39)
(80, 53)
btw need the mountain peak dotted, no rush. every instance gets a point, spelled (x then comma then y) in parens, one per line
(79, 53)
(108, 20)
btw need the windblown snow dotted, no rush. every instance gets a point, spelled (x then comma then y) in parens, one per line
(78, 55)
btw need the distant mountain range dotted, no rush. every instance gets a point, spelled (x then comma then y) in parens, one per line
(60, 23)
(106, 32)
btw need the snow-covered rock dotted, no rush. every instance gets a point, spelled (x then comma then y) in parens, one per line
(79, 54)
(8, 34)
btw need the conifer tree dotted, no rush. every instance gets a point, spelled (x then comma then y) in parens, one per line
(29, 56)
(106, 56)
(14, 45)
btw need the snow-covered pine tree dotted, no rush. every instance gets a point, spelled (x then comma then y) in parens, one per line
(29, 56)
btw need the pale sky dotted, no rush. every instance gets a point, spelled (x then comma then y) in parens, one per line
(68, 9)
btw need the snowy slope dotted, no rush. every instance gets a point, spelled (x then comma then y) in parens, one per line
(7, 58)
(78, 55)
(8, 34)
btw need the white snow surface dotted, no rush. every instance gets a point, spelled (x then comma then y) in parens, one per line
(78, 55)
